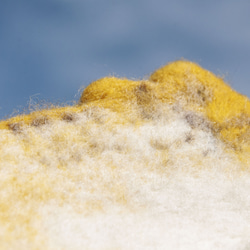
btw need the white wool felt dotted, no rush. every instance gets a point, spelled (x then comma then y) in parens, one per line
(97, 184)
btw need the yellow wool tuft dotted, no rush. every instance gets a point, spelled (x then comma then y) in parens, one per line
(109, 88)
(228, 110)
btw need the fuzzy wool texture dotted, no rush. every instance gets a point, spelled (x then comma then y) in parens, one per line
(158, 163)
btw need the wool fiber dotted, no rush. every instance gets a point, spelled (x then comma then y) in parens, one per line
(158, 163)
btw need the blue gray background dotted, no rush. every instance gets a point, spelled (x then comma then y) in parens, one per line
(49, 49)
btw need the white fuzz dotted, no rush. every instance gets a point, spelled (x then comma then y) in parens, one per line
(93, 183)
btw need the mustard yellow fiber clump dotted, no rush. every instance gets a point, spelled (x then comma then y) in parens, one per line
(188, 84)
(228, 110)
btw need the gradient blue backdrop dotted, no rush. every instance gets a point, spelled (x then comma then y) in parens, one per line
(51, 48)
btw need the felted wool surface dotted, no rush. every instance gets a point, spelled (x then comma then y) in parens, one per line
(158, 163)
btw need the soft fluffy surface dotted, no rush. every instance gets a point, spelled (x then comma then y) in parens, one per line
(159, 163)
